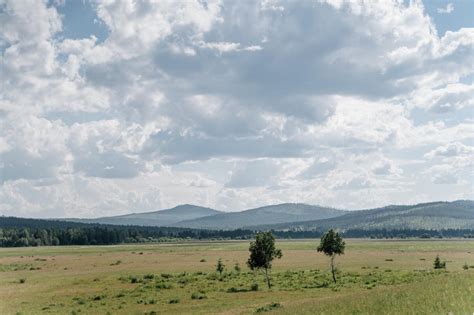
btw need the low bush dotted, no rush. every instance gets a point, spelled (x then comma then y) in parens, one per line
(149, 276)
(268, 308)
(236, 290)
(438, 264)
(198, 296)
(163, 285)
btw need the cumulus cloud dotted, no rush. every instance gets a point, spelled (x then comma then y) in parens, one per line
(451, 150)
(449, 98)
(231, 104)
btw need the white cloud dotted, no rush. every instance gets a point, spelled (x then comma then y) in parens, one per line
(450, 97)
(233, 105)
(451, 150)
(448, 9)
(136, 27)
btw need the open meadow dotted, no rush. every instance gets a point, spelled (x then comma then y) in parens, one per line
(375, 277)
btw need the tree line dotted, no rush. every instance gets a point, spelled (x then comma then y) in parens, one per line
(19, 232)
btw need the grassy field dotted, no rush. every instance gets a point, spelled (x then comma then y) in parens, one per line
(376, 277)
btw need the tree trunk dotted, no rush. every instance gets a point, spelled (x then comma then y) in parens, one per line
(268, 278)
(333, 269)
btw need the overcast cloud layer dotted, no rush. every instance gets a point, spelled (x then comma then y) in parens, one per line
(109, 108)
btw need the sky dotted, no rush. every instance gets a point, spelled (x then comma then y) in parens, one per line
(108, 107)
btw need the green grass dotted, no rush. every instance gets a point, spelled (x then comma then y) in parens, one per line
(444, 294)
(376, 277)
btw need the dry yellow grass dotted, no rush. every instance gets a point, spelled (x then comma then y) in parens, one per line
(70, 273)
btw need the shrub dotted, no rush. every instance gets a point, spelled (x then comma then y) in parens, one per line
(268, 308)
(465, 267)
(438, 264)
(220, 266)
(173, 301)
(163, 285)
(149, 276)
(22, 280)
(254, 287)
(236, 290)
(198, 296)
(134, 279)
(212, 276)
(202, 260)
(184, 281)
(81, 301)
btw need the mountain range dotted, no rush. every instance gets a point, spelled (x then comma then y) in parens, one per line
(167, 217)
(297, 216)
(430, 216)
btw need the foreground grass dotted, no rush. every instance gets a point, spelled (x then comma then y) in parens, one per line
(379, 277)
(445, 294)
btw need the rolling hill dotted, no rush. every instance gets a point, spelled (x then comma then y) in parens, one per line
(168, 217)
(282, 213)
(435, 215)
(297, 216)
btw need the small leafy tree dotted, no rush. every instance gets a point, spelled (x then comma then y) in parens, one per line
(332, 245)
(438, 264)
(220, 266)
(262, 253)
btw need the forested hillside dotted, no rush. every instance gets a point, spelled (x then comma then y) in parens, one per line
(429, 216)
(19, 232)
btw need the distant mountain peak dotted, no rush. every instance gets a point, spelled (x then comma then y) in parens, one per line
(164, 217)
